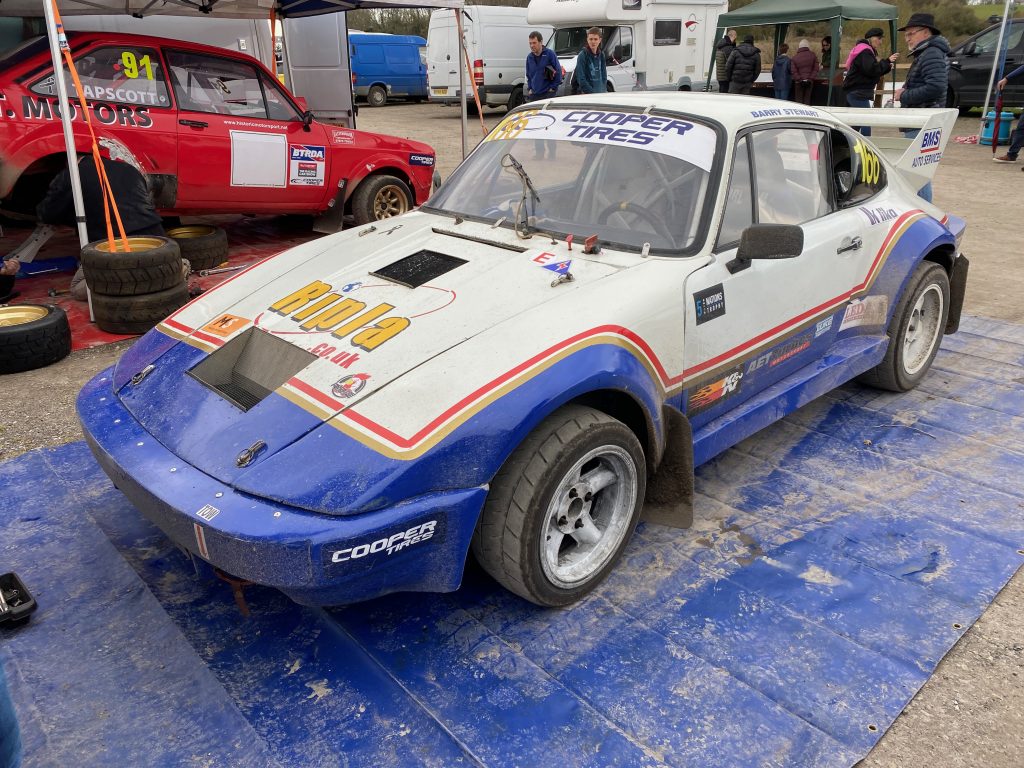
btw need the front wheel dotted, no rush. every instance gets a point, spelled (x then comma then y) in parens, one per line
(516, 99)
(915, 331)
(380, 197)
(563, 507)
(376, 96)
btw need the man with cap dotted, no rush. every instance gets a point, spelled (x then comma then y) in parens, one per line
(743, 66)
(864, 70)
(928, 77)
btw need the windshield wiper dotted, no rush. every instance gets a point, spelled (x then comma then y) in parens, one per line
(508, 161)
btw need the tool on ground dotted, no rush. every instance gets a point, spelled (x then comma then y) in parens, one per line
(220, 270)
(53, 292)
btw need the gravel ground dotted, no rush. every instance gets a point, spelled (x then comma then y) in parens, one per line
(971, 712)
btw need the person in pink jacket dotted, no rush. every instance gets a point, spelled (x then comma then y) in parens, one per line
(805, 68)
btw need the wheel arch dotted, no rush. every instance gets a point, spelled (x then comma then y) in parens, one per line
(383, 170)
(623, 406)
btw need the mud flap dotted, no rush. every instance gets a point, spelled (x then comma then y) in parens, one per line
(330, 221)
(669, 499)
(957, 289)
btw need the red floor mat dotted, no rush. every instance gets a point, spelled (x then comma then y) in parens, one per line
(249, 240)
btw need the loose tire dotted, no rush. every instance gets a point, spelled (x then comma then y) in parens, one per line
(376, 96)
(563, 507)
(32, 336)
(137, 314)
(516, 99)
(380, 197)
(153, 264)
(204, 246)
(915, 331)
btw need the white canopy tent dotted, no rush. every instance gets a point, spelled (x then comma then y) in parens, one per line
(237, 9)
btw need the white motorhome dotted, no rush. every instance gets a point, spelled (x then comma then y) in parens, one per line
(649, 43)
(497, 41)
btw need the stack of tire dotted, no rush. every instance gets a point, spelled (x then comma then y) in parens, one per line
(134, 290)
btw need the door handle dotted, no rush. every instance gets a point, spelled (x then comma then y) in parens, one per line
(854, 245)
(194, 123)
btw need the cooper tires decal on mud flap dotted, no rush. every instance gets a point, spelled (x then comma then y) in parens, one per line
(915, 331)
(154, 264)
(562, 507)
(204, 246)
(32, 336)
(137, 314)
(380, 197)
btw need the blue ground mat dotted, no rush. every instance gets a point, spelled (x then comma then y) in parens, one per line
(835, 558)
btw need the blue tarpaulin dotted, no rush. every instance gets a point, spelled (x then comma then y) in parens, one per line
(835, 558)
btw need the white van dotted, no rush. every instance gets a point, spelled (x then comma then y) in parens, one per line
(656, 44)
(497, 40)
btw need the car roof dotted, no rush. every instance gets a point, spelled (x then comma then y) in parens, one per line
(732, 111)
(84, 38)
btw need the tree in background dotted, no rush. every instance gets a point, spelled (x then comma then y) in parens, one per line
(408, 21)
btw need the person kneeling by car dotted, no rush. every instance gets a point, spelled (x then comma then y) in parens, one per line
(130, 191)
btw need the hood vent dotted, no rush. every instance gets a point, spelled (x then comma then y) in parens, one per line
(422, 267)
(250, 366)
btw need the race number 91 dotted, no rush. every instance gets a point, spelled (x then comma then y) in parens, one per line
(132, 66)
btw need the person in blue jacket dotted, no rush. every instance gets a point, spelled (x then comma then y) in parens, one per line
(782, 77)
(543, 72)
(591, 71)
(1017, 140)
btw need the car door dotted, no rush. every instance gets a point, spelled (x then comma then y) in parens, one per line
(748, 328)
(971, 65)
(619, 54)
(242, 143)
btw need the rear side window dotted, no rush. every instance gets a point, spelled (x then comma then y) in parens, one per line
(791, 174)
(212, 84)
(857, 171)
(120, 74)
(988, 42)
(668, 31)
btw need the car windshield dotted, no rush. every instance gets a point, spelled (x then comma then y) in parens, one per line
(632, 179)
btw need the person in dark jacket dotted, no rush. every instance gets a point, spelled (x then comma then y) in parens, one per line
(722, 51)
(543, 72)
(863, 71)
(591, 70)
(743, 66)
(928, 77)
(826, 52)
(782, 77)
(804, 68)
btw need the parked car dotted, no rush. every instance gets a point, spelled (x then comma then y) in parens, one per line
(970, 67)
(351, 417)
(388, 66)
(214, 131)
(497, 42)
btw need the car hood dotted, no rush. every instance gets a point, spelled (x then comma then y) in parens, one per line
(331, 323)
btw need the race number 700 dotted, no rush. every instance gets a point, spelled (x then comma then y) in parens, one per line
(870, 165)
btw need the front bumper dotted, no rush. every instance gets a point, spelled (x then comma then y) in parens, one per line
(419, 545)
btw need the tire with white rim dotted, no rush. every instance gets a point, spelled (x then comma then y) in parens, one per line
(563, 507)
(915, 331)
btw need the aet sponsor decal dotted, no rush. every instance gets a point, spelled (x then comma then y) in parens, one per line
(868, 311)
(714, 393)
(225, 325)
(424, 160)
(790, 349)
(709, 303)
(318, 309)
(350, 386)
(389, 545)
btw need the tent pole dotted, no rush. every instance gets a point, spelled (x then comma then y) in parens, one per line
(67, 109)
(997, 62)
(463, 55)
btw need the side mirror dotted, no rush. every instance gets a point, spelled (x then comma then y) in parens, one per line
(971, 49)
(767, 241)
(307, 120)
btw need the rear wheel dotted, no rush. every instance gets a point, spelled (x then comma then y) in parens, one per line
(31, 336)
(516, 99)
(563, 507)
(376, 96)
(380, 197)
(915, 331)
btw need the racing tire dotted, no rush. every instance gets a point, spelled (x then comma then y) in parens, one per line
(32, 336)
(376, 96)
(915, 331)
(137, 314)
(380, 197)
(563, 507)
(153, 264)
(516, 99)
(204, 246)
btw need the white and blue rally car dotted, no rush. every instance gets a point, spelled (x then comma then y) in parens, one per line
(607, 292)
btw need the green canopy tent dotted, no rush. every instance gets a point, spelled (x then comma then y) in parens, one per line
(782, 13)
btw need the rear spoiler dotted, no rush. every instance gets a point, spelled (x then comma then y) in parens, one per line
(918, 157)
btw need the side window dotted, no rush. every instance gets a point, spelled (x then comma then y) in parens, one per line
(989, 41)
(857, 172)
(791, 174)
(739, 203)
(212, 84)
(120, 74)
(278, 105)
(626, 43)
(668, 31)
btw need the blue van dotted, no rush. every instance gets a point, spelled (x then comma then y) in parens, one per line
(388, 66)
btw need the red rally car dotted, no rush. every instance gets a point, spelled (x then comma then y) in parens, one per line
(214, 130)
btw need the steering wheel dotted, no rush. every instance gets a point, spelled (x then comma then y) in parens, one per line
(659, 224)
